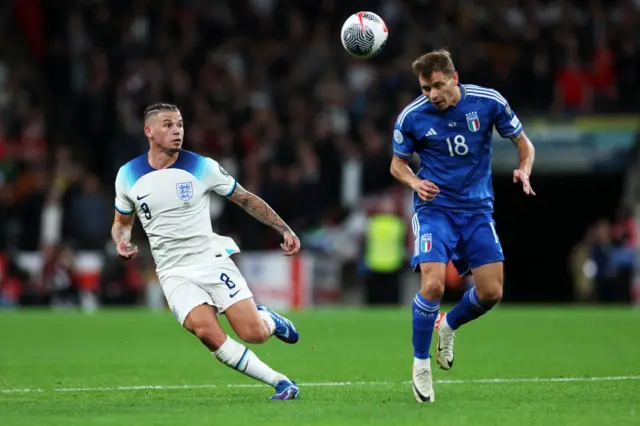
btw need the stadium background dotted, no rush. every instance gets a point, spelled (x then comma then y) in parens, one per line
(266, 88)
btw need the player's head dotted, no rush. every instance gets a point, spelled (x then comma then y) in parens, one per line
(438, 78)
(163, 126)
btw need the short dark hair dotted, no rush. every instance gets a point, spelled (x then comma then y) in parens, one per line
(156, 108)
(436, 61)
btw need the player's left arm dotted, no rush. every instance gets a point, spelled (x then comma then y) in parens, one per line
(526, 156)
(259, 209)
(510, 127)
(222, 183)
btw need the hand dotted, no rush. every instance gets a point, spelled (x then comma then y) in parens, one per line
(520, 175)
(291, 244)
(426, 190)
(126, 250)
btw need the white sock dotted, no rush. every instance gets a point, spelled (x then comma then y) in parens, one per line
(238, 357)
(266, 317)
(422, 363)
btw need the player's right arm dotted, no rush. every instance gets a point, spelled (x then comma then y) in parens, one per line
(121, 234)
(124, 218)
(403, 149)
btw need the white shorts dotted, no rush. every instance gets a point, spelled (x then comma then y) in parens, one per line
(219, 284)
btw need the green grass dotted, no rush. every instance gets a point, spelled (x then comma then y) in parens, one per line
(48, 351)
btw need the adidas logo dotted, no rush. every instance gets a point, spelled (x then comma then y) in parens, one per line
(431, 132)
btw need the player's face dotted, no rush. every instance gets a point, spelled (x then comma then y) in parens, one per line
(166, 130)
(440, 88)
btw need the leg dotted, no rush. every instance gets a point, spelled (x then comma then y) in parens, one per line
(480, 299)
(194, 310)
(203, 322)
(425, 311)
(247, 322)
(253, 323)
(489, 279)
(481, 251)
(435, 239)
(235, 300)
(425, 307)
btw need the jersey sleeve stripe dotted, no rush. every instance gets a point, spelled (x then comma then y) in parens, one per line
(487, 96)
(233, 188)
(415, 101)
(488, 91)
(517, 130)
(123, 211)
(402, 154)
(410, 108)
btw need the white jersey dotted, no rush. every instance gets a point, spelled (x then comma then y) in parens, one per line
(173, 207)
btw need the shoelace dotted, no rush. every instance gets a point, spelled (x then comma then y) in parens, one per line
(422, 374)
(447, 343)
(282, 325)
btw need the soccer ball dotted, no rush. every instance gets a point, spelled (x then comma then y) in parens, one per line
(364, 34)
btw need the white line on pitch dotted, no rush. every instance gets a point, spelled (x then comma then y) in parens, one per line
(329, 384)
(27, 390)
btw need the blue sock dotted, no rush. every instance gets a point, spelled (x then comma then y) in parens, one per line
(425, 313)
(468, 309)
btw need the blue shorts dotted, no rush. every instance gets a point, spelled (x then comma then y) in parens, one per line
(468, 239)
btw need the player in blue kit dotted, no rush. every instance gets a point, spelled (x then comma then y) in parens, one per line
(450, 127)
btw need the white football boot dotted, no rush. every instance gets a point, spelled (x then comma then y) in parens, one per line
(444, 350)
(422, 382)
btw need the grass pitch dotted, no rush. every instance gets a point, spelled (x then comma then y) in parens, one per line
(515, 366)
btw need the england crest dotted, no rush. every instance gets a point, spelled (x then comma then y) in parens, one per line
(473, 121)
(426, 243)
(184, 190)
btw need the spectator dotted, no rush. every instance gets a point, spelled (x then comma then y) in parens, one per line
(266, 88)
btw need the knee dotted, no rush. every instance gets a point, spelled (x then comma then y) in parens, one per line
(254, 332)
(431, 285)
(432, 289)
(490, 295)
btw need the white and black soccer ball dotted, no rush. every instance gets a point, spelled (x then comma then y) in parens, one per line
(364, 34)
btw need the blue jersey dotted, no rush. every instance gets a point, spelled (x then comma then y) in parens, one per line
(455, 145)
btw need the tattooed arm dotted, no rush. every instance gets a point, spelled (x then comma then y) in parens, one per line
(260, 210)
(121, 235)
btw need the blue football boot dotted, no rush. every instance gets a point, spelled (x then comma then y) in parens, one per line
(285, 330)
(286, 390)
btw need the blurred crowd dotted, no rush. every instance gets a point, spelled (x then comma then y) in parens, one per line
(266, 88)
(603, 262)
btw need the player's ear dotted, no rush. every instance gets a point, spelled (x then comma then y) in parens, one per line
(147, 131)
(454, 77)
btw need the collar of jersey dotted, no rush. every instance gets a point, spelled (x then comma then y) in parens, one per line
(176, 164)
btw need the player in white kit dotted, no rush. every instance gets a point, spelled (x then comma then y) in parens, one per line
(169, 189)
